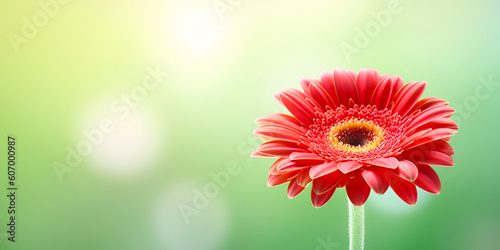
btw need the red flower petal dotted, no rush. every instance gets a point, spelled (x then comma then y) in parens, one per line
(413, 136)
(404, 189)
(273, 169)
(294, 189)
(390, 162)
(304, 83)
(269, 133)
(397, 85)
(430, 157)
(349, 166)
(345, 86)
(320, 95)
(429, 136)
(318, 200)
(289, 165)
(295, 102)
(282, 120)
(427, 103)
(322, 169)
(325, 183)
(343, 181)
(407, 170)
(431, 114)
(278, 179)
(276, 149)
(439, 123)
(353, 74)
(366, 82)
(408, 96)
(383, 92)
(376, 178)
(358, 190)
(438, 145)
(427, 179)
(303, 178)
(305, 156)
(327, 84)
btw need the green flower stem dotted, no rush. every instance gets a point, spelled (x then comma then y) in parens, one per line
(356, 227)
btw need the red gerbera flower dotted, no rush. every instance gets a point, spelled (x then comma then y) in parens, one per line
(358, 131)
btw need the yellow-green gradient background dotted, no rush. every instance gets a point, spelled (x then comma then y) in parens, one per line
(223, 64)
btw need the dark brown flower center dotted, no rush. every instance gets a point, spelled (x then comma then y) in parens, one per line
(356, 135)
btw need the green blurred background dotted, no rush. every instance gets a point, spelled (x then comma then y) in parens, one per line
(175, 173)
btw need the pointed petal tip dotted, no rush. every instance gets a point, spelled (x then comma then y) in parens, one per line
(294, 189)
(317, 205)
(257, 121)
(435, 191)
(269, 182)
(428, 179)
(406, 190)
(320, 200)
(276, 180)
(254, 132)
(256, 153)
(292, 195)
(276, 95)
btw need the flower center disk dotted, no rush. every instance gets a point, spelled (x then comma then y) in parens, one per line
(360, 133)
(356, 136)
